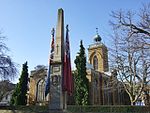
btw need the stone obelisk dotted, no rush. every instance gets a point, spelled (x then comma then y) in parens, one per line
(56, 94)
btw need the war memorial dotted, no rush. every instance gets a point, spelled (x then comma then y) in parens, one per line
(97, 76)
(101, 90)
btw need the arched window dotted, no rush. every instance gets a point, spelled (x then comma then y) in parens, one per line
(95, 63)
(40, 90)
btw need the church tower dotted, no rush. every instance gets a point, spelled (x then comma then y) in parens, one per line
(98, 54)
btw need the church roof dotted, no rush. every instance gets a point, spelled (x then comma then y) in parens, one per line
(97, 41)
(97, 38)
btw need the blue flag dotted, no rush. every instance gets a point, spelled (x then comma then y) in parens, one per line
(47, 86)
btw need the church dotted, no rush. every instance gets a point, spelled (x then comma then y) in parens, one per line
(105, 89)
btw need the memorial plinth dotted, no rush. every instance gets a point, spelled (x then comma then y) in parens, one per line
(56, 95)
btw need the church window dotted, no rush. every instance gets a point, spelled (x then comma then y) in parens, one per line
(41, 90)
(6, 97)
(95, 63)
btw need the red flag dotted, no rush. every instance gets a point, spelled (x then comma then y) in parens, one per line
(67, 77)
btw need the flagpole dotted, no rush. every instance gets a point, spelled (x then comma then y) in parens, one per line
(66, 96)
(65, 99)
(67, 75)
(47, 87)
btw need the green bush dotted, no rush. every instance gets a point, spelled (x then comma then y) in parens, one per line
(26, 108)
(79, 109)
(109, 109)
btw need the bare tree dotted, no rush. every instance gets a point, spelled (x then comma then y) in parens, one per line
(131, 52)
(131, 60)
(146, 75)
(7, 67)
(135, 22)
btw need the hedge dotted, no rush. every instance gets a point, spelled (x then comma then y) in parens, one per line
(109, 109)
(26, 108)
(80, 109)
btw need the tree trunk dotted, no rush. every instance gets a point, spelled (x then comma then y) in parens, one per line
(132, 103)
(147, 101)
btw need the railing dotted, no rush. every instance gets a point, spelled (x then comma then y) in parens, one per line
(95, 45)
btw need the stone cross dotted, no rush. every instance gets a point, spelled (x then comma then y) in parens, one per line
(57, 48)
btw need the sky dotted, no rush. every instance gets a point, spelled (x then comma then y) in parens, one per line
(27, 25)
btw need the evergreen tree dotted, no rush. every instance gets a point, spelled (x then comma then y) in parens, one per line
(14, 96)
(19, 96)
(81, 82)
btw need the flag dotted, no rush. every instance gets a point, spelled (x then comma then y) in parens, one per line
(47, 86)
(67, 76)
